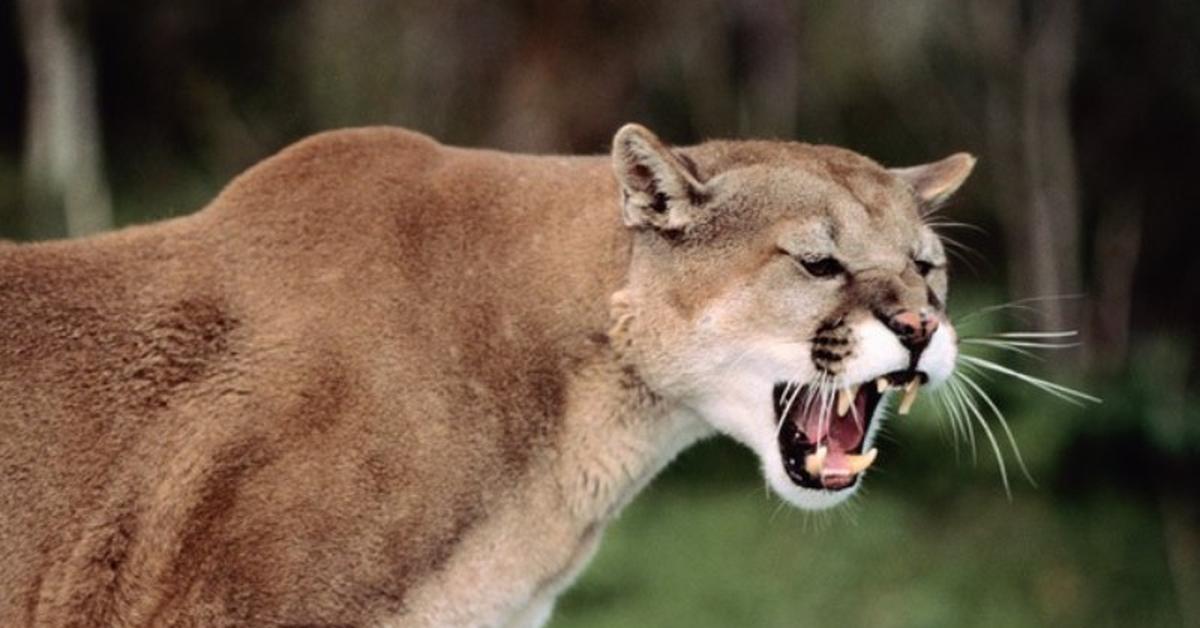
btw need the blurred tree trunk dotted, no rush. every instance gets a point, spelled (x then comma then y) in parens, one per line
(65, 193)
(1117, 250)
(766, 35)
(1029, 61)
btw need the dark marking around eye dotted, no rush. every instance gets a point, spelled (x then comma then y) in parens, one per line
(823, 267)
(924, 267)
(932, 297)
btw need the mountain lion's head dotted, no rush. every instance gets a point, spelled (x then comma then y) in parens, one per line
(780, 291)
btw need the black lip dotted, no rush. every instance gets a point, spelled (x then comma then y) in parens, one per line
(794, 446)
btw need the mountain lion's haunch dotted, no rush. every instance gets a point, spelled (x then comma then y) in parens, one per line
(383, 382)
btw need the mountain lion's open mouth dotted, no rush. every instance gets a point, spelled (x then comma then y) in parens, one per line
(821, 440)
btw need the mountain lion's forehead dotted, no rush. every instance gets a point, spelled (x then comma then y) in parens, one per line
(842, 178)
(843, 212)
(879, 238)
(844, 167)
(849, 234)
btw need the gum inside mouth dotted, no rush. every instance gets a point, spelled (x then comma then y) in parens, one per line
(821, 437)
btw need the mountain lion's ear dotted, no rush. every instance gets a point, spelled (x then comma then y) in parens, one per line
(657, 188)
(935, 182)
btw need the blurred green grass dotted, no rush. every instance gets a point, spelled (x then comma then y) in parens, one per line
(706, 549)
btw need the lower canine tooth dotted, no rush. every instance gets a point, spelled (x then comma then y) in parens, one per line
(813, 463)
(910, 395)
(858, 464)
(881, 384)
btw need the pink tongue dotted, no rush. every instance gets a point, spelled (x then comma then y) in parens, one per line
(839, 434)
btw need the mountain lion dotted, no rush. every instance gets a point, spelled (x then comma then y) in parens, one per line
(379, 381)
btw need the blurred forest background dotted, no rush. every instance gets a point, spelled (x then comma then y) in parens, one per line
(1085, 202)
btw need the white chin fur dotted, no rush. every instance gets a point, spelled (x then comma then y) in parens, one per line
(807, 498)
(750, 419)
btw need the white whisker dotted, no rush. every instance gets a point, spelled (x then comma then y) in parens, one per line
(1019, 304)
(948, 413)
(1001, 346)
(966, 425)
(810, 393)
(1000, 342)
(943, 224)
(962, 252)
(1058, 390)
(957, 389)
(828, 405)
(964, 319)
(953, 243)
(1012, 441)
(1037, 334)
(787, 406)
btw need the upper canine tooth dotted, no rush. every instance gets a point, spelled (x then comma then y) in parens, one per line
(881, 384)
(813, 463)
(845, 398)
(858, 464)
(910, 395)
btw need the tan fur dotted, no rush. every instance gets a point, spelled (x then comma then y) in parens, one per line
(380, 381)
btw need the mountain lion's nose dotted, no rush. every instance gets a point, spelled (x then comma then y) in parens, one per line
(914, 329)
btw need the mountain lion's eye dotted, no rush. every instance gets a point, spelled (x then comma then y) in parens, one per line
(923, 267)
(823, 267)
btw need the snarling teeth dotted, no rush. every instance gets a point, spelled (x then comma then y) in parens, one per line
(858, 464)
(814, 462)
(822, 440)
(910, 395)
(849, 464)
